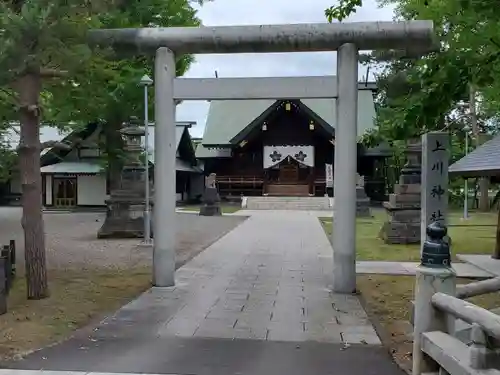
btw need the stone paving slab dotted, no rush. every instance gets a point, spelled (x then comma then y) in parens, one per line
(266, 280)
(484, 262)
(408, 269)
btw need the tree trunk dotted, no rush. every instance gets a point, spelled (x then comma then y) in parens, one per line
(496, 253)
(29, 87)
(114, 151)
(484, 183)
(484, 198)
(475, 202)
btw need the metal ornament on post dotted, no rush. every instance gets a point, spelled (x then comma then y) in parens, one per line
(145, 82)
(436, 250)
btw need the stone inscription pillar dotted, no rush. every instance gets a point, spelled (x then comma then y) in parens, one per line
(435, 154)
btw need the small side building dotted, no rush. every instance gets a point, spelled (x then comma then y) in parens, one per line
(484, 161)
(76, 177)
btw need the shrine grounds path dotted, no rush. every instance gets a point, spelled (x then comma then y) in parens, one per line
(255, 302)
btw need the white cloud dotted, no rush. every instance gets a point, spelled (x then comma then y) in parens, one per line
(253, 12)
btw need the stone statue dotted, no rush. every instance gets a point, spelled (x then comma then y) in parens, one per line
(362, 200)
(210, 180)
(211, 198)
(361, 181)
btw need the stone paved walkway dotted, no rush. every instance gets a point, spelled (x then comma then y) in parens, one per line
(267, 280)
(255, 302)
(482, 261)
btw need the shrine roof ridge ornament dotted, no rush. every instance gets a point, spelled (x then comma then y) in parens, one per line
(415, 37)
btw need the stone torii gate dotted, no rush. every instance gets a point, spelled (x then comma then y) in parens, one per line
(415, 37)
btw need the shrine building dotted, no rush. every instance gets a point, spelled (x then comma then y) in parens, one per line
(285, 147)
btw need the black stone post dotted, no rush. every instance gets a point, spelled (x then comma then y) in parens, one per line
(3, 292)
(5, 255)
(12, 245)
(436, 250)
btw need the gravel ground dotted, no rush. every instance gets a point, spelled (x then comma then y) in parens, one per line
(71, 239)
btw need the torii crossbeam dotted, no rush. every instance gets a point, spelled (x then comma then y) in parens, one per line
(415, 37)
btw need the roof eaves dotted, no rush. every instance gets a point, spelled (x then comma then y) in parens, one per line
(257, 121)
(318, 119)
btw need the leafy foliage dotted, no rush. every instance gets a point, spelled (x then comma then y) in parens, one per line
(432, 92)
(343, 10)
(105, 87)
(49, 73)
(429, 93)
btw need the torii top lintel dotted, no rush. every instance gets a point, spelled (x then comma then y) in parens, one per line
(416, 37)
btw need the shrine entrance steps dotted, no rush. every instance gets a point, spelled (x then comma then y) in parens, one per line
(288, 203)
(288, 190)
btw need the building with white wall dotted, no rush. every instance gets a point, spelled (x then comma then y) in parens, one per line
(76, 177)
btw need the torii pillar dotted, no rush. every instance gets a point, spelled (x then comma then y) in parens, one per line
(415, 37)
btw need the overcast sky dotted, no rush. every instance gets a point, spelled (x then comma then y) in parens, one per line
(258, 12)
(255, 12)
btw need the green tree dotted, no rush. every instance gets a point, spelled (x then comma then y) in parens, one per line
(431, 92)
(105, 88)
(46, 64)
(343, 10)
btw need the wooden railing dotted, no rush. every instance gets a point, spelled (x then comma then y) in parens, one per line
(238, 185)
(239, 179)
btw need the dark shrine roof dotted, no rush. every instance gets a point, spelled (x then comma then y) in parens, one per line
(484, 161)
(228, 118)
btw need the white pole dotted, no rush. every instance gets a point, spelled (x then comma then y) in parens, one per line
(344, 216)
(164, 208)
(466, 185)
(147, 216)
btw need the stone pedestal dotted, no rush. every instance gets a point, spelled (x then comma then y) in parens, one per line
(430, 281)
(125, 207)
(362, 203)
(362, 200)
(211, 203)
(403, 207)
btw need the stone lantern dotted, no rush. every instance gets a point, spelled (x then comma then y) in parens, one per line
(403, 207)
(125, 207)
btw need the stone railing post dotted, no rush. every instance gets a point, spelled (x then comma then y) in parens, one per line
(434, 274)
(478, 349)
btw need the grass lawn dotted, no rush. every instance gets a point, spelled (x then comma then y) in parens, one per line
(226, 208)
(77, 298)
(387, 297)
(473, 236)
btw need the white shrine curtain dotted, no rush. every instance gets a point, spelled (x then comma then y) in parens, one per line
(275, 154)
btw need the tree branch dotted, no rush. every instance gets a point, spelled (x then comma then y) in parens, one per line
(52, 73)
(56, 144)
